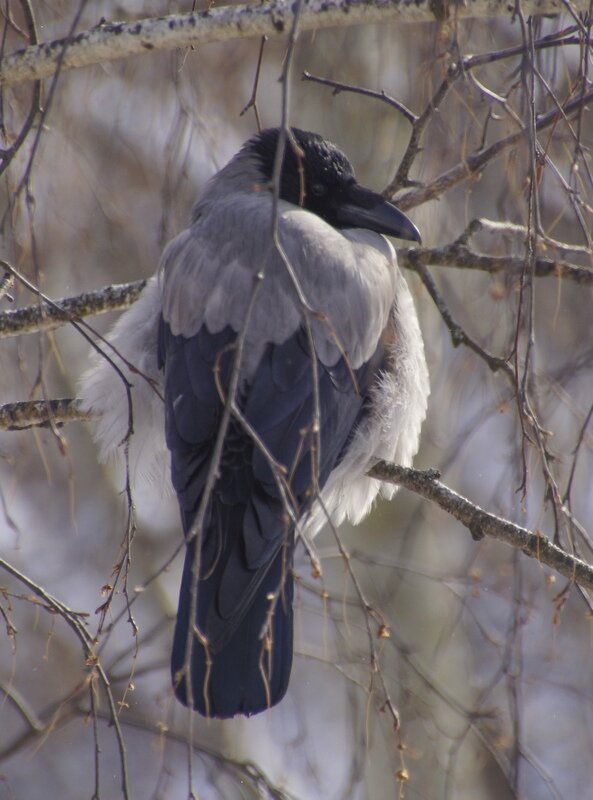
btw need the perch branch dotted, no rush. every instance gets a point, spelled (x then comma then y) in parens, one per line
(479, 522)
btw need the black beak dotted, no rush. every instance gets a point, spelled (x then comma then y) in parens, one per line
(363, 208)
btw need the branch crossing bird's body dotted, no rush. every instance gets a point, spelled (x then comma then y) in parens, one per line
(307, 421)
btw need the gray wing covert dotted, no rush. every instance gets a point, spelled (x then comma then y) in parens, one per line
(347, 278)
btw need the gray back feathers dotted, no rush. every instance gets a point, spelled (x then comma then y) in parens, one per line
(347, 278)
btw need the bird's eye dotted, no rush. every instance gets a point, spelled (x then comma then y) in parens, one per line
(318, 189)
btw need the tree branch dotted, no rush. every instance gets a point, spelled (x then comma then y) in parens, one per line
(477, 161)
(117, 297)
(39, 413)
(459, 255)
(481, 523)
(108, 41)
(44, 317)
(340, 86)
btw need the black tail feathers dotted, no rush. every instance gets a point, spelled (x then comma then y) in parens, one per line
(250, 671)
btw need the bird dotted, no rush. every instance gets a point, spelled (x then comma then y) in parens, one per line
(292, 327)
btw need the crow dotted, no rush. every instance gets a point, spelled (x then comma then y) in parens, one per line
(301, 340)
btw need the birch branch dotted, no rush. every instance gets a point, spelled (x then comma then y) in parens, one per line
(45, 317)
(108, 41)
(476, 162)
(39, 413)
(481, 523)
(460, 256)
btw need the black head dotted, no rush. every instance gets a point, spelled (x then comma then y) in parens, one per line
(321, 179)
(315, 178)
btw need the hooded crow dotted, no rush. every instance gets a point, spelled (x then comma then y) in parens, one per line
(310, 339)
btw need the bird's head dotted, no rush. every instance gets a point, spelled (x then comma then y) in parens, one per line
(319, 177)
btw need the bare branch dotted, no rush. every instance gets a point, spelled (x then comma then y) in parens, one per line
(7, 155)
(419, 124)
(458, 335)
(481, 523)
(252, 102)
(40, 413)
(459, 255)
(108, 41)
(77, 622)
(43, 317)
(118, 297)
(339, 86)
(26, 711)
(455, 70)
(17, 416)
(476, 162)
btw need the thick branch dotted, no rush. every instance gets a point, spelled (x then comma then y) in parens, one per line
(480, 523)
(18, 416)
(44, 317)
(117, 297)
(39, 413)
(459, 255)
(109, 41)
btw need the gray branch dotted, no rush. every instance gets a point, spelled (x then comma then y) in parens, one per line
(460, 256)
(108, 41)
(481, 523)
(476, 162)
(45, 317)
(40, 413)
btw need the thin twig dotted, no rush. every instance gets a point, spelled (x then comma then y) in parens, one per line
(458, 335)
(338, 87)
(7, 155)
(476, 162)
(252, 103)
(401, 178)
(77, 624)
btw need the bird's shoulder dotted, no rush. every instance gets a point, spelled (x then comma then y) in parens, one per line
(346, 278)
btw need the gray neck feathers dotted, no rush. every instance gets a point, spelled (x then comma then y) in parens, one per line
(242, 174)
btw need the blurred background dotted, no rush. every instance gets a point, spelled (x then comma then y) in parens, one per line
(488, 658)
